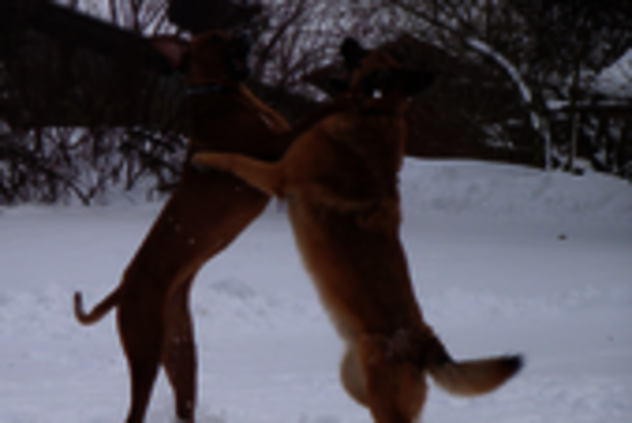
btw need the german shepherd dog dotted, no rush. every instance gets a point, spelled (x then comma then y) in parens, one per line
(204, 214)
(340, 182)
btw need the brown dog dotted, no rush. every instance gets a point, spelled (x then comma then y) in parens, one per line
(205, 213)
(340, 182)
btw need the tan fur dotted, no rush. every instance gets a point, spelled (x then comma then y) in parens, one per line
(204, 214)
(340, 183)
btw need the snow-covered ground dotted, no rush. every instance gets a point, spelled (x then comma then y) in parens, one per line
(505, 259)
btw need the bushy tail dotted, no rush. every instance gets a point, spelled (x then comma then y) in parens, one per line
(471, 377)
(98, 311)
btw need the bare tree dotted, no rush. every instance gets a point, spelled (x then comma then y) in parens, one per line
(74, 122)
(544, 50)
(77, 123)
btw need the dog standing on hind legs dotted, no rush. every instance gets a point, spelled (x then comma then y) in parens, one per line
(204, 214)
(340, 183)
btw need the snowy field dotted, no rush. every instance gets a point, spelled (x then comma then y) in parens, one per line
(504, 259)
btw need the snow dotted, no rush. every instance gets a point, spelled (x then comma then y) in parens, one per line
(615, 80)
(505, 259)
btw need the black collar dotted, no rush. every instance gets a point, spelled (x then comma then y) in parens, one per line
(207, 89)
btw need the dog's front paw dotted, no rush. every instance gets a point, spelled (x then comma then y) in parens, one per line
(204, 161)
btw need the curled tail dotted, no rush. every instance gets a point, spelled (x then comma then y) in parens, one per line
(470, 377)
(98, 311)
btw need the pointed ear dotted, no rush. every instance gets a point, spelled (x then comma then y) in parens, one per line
(352, 52)
(414, 81)
(174, 49)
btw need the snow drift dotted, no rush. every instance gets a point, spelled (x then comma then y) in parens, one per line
(504, 259)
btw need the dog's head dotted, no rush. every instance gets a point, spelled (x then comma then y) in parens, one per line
(377, 81)
(199, 16)
(214, 57)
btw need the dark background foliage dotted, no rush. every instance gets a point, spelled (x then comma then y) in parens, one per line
(87, 107)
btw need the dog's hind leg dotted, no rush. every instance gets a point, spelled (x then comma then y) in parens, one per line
(140, 328)
(178, 351)
(396, 389)
(352, 377)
